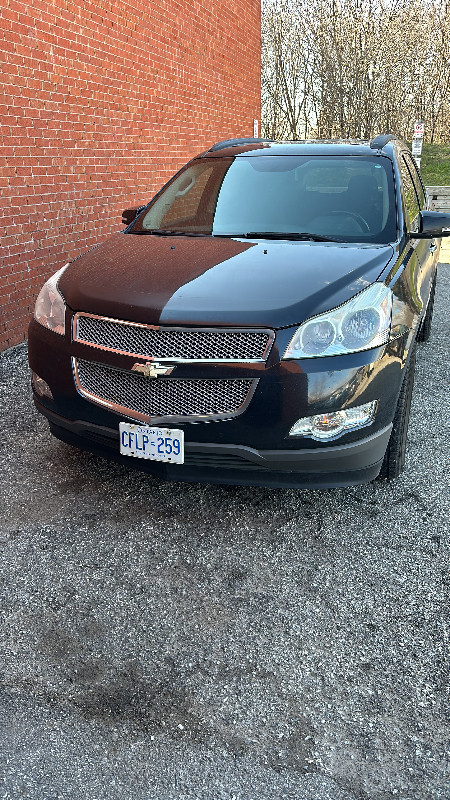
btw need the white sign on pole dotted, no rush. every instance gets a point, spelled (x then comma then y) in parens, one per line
(419, 130)
(417, 147)
(255, 128)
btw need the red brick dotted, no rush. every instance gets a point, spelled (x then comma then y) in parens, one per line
(100, 108)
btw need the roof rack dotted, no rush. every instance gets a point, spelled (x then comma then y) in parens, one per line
(235, 143)
(380, 141)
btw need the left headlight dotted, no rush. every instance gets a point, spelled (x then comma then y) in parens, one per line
(50, 309)
(361, 323)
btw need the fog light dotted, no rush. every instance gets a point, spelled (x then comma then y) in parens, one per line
(335, 423)
(40, 386)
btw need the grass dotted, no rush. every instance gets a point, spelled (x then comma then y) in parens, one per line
(435, 164)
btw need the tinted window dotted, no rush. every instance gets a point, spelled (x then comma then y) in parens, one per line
(416, 179)
(348, 198)
(409, 193)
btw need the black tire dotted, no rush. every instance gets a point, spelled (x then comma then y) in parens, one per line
(425, 329)
(394, 459)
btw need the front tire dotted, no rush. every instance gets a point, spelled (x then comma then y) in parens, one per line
(394, 459)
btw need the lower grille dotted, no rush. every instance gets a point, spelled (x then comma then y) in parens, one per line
(162, 399)
(221, 461)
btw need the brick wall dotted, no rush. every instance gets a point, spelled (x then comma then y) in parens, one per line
(100, 103)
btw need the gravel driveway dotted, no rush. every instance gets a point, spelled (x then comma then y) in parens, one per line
(190, 642)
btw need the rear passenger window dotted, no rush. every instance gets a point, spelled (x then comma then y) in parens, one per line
(409, 194)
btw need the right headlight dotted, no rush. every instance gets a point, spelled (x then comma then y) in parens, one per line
(361, 323)
(50, 309)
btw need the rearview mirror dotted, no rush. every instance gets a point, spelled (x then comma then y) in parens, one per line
(130, 214)
(432, 224)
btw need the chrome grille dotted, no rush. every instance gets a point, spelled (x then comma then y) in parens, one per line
(173, 344)
(171, 399)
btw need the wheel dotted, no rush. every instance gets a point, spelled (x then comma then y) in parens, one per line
(425, 329)
(357, 217)
(394, 459)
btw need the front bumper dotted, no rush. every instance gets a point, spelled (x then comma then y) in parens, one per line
(254, 448)
(332, 466)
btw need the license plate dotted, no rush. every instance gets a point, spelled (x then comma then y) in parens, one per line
(157, 444)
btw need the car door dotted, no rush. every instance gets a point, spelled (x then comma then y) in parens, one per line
(425, 251)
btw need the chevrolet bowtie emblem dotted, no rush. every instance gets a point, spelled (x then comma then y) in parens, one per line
(152, 370)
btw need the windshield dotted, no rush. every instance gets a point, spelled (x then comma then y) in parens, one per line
(336, 198)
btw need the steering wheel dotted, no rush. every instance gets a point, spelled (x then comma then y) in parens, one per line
(357, 217)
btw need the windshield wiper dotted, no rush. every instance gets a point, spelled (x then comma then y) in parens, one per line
(289, 235)
(292, 236)
(166, 232)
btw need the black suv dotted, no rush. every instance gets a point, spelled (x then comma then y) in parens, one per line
(255, 323)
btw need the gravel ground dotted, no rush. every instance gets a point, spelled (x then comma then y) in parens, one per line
(190, 642)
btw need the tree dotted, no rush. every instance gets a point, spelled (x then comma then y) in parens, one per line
(353, 68)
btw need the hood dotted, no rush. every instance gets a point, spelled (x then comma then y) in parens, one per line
(213, 281)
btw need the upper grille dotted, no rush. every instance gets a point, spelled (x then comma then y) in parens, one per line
(173, 344)
(170, 399)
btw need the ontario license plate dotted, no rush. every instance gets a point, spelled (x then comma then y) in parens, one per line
(157, 444)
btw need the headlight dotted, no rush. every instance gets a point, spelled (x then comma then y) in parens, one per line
(361, 323)
(50, 309)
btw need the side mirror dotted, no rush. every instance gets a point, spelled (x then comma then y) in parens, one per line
(432, 224)
(130, 214)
